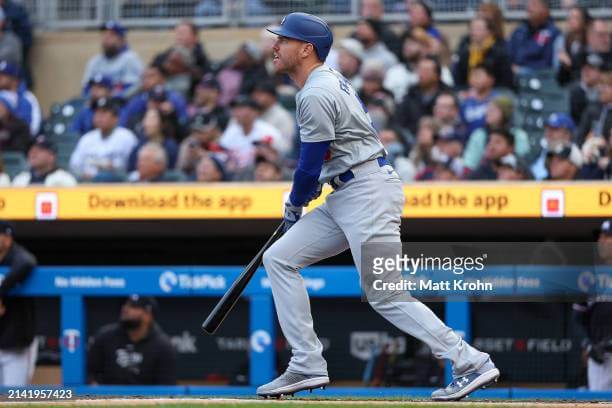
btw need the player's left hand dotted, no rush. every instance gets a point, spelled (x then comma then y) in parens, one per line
(292, 215)
(315, 194)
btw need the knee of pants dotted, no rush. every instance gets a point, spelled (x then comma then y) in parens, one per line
(273, 258)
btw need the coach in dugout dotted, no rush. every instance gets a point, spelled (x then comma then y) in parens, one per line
(595, 317)
(18, 348)
(134, 350)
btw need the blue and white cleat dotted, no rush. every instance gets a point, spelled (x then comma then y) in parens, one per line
(462, 386)
(289, 383)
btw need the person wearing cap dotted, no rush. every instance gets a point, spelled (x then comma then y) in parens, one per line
(205, 131)
(18, 347)
(246, 128)
(206, 100)
(559, 129)
(442, 168)
(26, 104)
(42, 162)
(268, 169)
(531, 45)
(563, 162)
(498, 116)
(272, 112)
(211, 168)
(99, 86)
(102, 153)
(511, 168)
(500, 144)
(596, 120)
(116, 60)
(153, 88)
(350, 58)
(584, 92)
(368, 32)
(14, 132)
(594, 315)
(420, 97)
(134, 350)
(11, 49)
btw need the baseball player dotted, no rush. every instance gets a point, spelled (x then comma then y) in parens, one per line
(340, 147)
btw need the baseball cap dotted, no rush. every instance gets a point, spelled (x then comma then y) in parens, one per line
(114, 26)
(158, 94)
(8, 68)
(145, 302)
(43, 142)
(353, 47)
(209, 81)
(268, 87)
(102, 80)
(560, 120)
(6, 228)
(107, 104)
(203, 121)
(245, 100)
(511, 161)
(570, 152)
(606, 227)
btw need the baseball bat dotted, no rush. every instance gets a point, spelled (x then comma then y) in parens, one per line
(229, 299)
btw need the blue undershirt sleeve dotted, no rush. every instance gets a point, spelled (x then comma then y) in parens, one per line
(306, 176)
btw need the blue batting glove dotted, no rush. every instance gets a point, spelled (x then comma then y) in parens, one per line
(292, 215)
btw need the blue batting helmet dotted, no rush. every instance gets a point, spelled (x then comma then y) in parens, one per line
(308, 28)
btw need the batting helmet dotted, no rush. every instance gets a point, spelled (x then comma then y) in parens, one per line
(308, 28)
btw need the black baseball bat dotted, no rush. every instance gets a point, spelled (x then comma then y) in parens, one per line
(229, 299)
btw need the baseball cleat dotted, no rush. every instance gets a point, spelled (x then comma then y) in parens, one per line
(289, 383)
(464, 385)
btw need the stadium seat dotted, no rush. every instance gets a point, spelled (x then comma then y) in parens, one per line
(14, 163)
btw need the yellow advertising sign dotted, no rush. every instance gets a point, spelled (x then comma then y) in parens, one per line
(245, 200)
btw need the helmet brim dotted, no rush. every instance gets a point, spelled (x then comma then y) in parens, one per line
(283, 32)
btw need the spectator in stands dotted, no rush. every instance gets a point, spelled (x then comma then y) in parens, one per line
(447, 117)
(102, 153)
(443, 168)
(584, 92)
(531, 46)
(563, 162)
(375, 10)
(474, 101)
(559, 131)
(369, 32)
(116, 60)
(241, 72)
(421, 16)
(154, 90)
(498, 115)
(511, 168)
(420, 98)
(571, 47)
(5, 180)
(597, 118)
(186, 36)
(18, 346)
(159, 129)
(99, 86)
(482, 48)
(274, 113)
(599, 40)
(493, 14)
(10, 46)
(18, 21)
(206, 101)
(594, 316)
(134, 350)
(267, 170)
(14, 132)
(373, 74)
(204, 138)
(152, 165)
(419, 157)
(245, 129)
(394, 143)
(178, 66)
(500, 144)
(597, 155)
(26, 105)
(449, 145)
(211, 168)
(350, 58)
(42, 160)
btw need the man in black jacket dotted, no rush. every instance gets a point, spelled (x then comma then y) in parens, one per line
(133, 351)
(18, 347)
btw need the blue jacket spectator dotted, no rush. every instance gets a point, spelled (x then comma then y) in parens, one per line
(155, 127)
(18, 21)
(117, 61)
(25, 104)
(99, 86)
(166, 100)
(532, 44)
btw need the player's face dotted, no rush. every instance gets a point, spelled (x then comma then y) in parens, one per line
(286, 54)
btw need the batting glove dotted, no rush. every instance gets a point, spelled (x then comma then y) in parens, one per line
(292, 215)
(315, 194)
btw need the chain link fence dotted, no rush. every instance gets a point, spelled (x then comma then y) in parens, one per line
(66, 14)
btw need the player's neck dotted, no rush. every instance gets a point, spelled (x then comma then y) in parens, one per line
(300, 75)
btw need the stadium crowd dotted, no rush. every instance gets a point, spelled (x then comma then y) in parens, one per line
(532, 104)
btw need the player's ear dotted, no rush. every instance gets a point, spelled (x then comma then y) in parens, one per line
(307, 50)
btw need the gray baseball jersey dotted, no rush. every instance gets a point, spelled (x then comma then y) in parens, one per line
(328, 108)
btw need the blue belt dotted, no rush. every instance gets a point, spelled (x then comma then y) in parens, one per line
(349, 175)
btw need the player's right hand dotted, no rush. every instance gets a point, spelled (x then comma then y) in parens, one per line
(292, 215)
